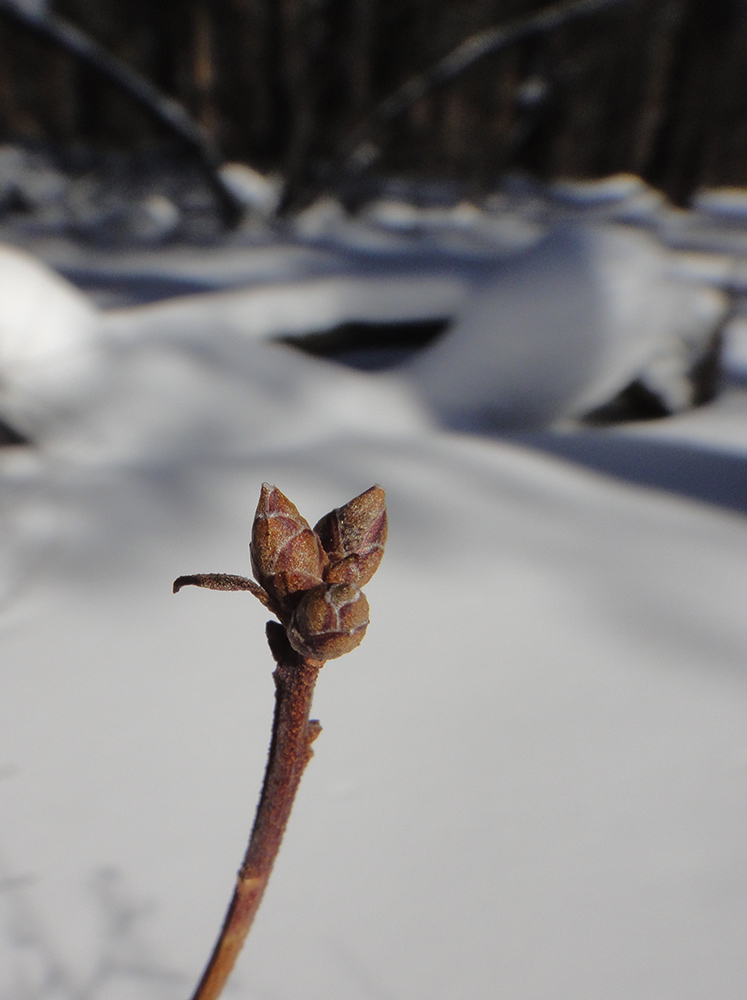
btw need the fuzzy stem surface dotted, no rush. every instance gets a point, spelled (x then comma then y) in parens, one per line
(293, 732)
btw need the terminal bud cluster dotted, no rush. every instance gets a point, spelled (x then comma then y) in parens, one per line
(312, 577)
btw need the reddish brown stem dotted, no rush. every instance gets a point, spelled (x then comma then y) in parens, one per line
(290, 751)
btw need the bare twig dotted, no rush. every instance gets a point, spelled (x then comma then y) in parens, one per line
(310, 579)
(290, 751)
(359, 150)
(164, 109)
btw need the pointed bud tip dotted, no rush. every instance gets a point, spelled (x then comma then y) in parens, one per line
(375, 492)
(271, 499)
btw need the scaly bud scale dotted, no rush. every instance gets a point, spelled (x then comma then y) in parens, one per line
(329, 621)
(287, 556)
(353, 538)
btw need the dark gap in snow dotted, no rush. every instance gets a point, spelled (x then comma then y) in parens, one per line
(369, 346)
(638, 401)
(635, 402)
(9, 436)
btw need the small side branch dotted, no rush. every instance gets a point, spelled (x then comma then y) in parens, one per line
(293, 732)
(224, 581)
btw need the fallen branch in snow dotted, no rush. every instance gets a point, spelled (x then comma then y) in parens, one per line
(359, 150)
(164, 109)
(310, 579)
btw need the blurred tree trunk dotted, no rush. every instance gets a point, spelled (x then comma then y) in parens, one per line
(655, 87)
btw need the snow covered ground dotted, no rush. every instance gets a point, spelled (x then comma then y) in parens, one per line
(532, 779)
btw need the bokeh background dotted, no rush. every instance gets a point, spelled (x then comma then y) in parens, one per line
(319, 244)
(651, 87)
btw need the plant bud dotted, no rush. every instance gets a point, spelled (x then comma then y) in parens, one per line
(353, 537)
(330, 620)
(287, 556)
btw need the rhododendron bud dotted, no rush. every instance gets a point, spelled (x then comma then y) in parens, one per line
(353, 537)
(330, 620)
(287, 556)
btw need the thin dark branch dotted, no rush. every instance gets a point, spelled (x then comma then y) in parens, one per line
(164, 109)
(359, 151)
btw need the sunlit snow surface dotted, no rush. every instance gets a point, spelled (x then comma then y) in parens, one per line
(532, 779)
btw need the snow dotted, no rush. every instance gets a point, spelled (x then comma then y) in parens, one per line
(725, 203)
(260, 193)
(735, 347)
(47, 343)
(531, 779)
(572, 322)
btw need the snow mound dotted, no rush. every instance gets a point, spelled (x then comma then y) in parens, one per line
(47, 341)
(722, 203)
(255, 191)
(562, 328)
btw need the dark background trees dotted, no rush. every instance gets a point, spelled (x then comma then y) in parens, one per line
(654, 87)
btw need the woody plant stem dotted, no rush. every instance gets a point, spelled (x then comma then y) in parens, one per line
(310, 580)
(290, 751)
